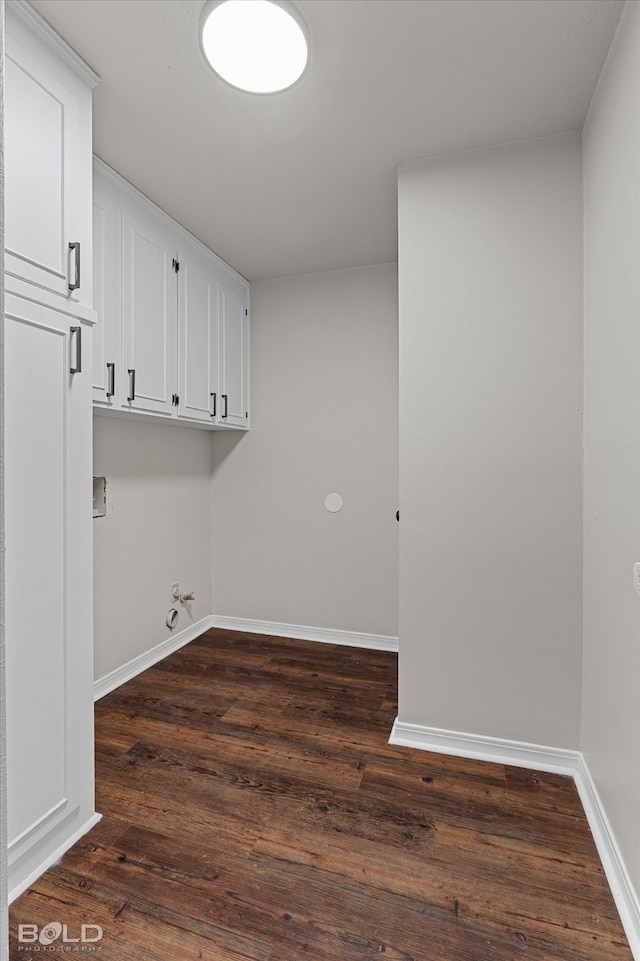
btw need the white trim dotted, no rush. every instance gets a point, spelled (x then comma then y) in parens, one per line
(103, 410)
(136, 195)
(53, 858)
(109, 682)
(33, 293)
(326, 635)
(625, 897)
(498, 750)
(60, 47)
(542, 758)
(36, 828)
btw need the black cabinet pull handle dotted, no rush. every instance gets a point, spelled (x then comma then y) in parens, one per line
(76, 281)
(111, 389)
(225, 398)
(132, 383)
(77, 369)
(397, 515)
(213, 412)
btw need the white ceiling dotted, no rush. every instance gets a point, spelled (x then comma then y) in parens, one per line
(306, 180)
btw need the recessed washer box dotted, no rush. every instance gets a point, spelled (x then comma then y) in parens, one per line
(99, 496)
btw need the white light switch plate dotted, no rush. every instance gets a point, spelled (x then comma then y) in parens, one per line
(636, 576)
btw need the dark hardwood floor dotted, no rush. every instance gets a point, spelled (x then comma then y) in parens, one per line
(254, 810)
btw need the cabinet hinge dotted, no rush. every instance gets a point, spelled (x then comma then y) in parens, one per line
(175, 265)
(175, 400)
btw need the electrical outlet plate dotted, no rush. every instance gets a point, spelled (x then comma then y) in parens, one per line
(636, 576)
(175, 592)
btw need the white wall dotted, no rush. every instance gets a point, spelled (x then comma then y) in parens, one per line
(490, 284)
(157, 531)
(324, 419)
(611, 655)
(4, 926)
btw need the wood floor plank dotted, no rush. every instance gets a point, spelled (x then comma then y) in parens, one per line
(475, 804)
(255, 811)
(135, 926)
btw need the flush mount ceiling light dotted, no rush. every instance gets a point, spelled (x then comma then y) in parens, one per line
(256, 45)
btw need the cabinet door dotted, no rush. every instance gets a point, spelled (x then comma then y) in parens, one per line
(234, 353)
(107, 373)
(48, 584)
(198, 340)
(149, 320)
(47, 129)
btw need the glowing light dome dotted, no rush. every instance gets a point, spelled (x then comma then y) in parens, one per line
(259, 46)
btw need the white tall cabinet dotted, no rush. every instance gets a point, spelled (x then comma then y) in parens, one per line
(48, 362)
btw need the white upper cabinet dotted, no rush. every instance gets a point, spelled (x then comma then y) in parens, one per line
(149, 305)
(107, 285)
(198, 350)
(234, 336)
(173, 343)
(47, 130)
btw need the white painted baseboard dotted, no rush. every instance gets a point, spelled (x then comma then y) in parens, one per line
(109, 682)
(53, 858)
(326, 635)
(626, 898)
(541, 758)
(498, 750)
